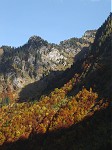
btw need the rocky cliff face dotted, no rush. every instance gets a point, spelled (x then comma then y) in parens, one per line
(37, 58)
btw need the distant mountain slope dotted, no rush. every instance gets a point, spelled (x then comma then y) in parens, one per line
(36, 59)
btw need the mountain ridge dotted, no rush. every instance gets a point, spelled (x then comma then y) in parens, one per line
(37, 58)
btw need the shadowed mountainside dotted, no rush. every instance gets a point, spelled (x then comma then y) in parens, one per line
(56, 79)
(93, 133)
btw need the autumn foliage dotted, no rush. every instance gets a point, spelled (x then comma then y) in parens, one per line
(56, 111)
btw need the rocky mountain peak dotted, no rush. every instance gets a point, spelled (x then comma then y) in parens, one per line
(37, 40)
(90, 33)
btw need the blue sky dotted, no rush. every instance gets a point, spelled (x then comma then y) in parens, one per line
(53, 20)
